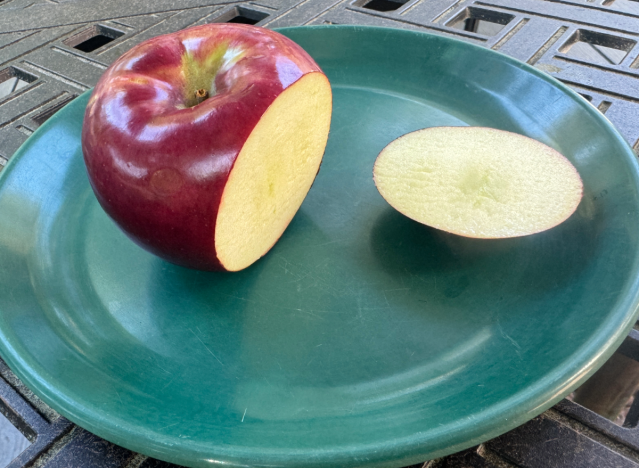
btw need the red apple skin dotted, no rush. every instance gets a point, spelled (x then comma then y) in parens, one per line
(159, 168)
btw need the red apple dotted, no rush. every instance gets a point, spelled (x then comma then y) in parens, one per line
(201, 145)
(478, 182)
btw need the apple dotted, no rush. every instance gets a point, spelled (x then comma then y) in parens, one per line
(201, 145)
(478, 182)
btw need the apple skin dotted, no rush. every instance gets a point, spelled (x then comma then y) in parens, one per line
(159, 167)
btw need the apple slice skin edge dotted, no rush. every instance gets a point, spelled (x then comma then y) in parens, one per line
(478, 182)
(158, 163)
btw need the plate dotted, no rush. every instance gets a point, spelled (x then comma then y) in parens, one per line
(362, 338)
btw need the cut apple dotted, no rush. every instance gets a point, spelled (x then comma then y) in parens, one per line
(201, 144)
(273, 172)
(478, 182)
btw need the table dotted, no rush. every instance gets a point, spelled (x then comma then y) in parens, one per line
(590, 45)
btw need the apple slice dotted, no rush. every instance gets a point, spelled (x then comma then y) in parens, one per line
(478, 182)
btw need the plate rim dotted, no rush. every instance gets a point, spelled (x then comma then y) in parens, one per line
(118, 429)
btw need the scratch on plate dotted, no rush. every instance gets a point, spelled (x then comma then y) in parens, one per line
(207, 348)
(170, 425)
(163, 369)
(237, 297)
(515, 344)
(386, 299)
(327, 243)
(307, 312)
(244, 414)
(169, 383)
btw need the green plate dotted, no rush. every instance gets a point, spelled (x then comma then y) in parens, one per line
(362, 338)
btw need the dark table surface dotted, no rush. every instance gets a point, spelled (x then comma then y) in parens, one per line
(53, 50)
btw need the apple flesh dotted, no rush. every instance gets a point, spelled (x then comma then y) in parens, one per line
(478, 182)
(201, 145)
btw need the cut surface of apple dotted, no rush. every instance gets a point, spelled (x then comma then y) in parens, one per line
(273, 172)
(478, 182)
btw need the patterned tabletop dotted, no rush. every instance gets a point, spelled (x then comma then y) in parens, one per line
(53, 50)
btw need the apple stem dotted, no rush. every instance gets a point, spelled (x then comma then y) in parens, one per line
(201, 95)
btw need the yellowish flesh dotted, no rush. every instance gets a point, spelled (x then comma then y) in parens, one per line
(478, 182)
(273, 172)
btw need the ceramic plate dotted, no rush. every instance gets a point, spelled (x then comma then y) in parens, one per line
(362, 338)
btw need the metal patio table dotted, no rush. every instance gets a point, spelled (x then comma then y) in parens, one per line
(53, 50)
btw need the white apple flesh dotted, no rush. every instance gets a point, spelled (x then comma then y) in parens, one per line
(273, 172)
(478, 182)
